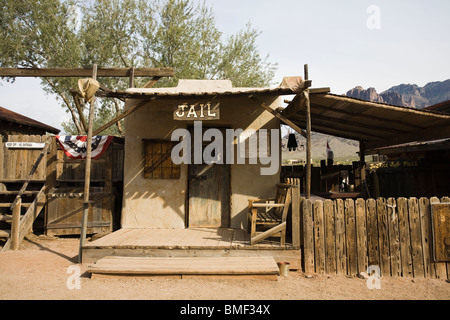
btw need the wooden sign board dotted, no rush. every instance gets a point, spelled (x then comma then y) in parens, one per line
(25, 145)
(440, 214)
(197, 112)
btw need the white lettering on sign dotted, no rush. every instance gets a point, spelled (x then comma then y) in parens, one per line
(198, 111)
(25, 145)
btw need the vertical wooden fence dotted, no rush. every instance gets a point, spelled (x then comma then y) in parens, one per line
(346, 236)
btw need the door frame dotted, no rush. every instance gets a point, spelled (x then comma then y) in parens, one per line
(207, 126)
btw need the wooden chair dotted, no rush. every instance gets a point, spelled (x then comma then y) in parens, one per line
(273, 218)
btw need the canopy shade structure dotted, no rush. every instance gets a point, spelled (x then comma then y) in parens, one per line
(376, 124)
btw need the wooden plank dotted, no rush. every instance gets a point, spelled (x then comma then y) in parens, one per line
(383, 236)
(2, 161)
(447, 200)
(394, 238)
(265, 235)
(361, 235)
(330, 237)
(226, 235)
(279, 116)
(440, 267)
(405, 242)
(15, 225)
(22, 159)
(85, 72)
(350, 237)
(426, 232)
(308, 236)
(127, 112)
(185, 265)
(341, 261)
(296, 216)
(26, 222)
(416, 238)
(372, 233)
(11, 160)
(319, 236)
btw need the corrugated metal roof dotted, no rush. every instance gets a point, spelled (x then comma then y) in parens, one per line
(11, 116)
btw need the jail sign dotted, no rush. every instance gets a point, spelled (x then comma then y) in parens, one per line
(197, 111)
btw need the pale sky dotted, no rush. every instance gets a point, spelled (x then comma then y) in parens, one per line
(345, 43)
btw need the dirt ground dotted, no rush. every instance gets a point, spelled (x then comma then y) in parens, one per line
(41, 269)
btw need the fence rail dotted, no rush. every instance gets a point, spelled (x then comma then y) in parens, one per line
(346, 236)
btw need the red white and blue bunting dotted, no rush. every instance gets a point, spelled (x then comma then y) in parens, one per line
(75, 147)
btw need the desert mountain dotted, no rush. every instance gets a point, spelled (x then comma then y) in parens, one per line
(408, 95)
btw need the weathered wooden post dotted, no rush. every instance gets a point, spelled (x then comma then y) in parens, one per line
(308, 137)
(87, 175)
(15, 225)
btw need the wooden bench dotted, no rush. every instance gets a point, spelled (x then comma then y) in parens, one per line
(270, 215)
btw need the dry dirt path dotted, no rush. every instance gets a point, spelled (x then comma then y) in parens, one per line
(43, 269)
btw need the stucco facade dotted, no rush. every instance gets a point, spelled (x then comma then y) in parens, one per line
(162, 203)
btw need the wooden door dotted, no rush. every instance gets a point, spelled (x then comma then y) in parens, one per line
(209, 194)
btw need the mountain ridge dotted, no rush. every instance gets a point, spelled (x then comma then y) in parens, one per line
(406, 95)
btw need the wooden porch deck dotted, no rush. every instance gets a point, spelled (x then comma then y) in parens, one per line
(193, 242)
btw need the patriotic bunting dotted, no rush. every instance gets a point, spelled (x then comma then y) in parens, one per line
(75, 147)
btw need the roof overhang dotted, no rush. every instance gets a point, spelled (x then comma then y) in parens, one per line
(377, 125)
(18, 119)
(224, 90)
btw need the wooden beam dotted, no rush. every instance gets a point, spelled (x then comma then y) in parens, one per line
(356, 128)
(151, 82)
(308, 137)
(433, 133)
(15, 225)
(131, 79)
(26, 221)
(123, 115)
(86, 72)
(87, 173)
(268, 233)
(278, 115)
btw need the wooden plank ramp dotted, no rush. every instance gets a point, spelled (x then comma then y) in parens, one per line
(261, 268)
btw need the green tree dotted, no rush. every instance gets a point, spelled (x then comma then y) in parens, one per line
(126, 33)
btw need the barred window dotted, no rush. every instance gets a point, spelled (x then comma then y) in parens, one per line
(158, 160)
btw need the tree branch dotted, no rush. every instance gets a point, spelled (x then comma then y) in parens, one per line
(66, 101)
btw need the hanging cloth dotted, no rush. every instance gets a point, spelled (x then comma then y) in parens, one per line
(292, 142)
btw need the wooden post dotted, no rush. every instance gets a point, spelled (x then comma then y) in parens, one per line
(295, 216)
(308, 138)
(131, 79)
(15, 225)
(362, 167)
(87, 176)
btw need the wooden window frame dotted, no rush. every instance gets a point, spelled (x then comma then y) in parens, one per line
(158, 164)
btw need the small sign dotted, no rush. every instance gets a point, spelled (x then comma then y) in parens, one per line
(25, 145)
(197, 112)
(440, 214)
